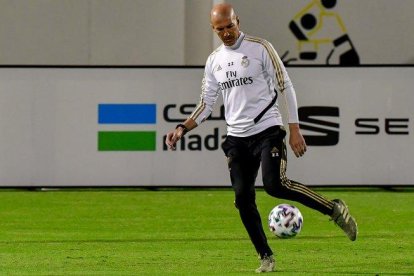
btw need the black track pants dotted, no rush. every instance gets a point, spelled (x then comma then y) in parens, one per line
(244, 156)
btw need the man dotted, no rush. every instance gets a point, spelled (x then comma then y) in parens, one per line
(250, 76)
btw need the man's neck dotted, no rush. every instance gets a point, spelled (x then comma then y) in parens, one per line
(238, 42)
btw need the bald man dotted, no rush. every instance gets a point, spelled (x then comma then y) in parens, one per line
(250, 76)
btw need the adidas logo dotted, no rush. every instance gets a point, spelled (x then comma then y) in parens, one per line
(274, 152)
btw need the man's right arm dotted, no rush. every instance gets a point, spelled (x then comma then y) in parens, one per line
(174, 136)
(209, 94)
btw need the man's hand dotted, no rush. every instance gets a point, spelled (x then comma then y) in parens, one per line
(173, 137)
(296, 140)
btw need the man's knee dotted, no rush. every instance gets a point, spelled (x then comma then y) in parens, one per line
(244, 200)
(275, 187)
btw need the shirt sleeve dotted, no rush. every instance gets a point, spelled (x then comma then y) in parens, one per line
(277, 71)
(208, 96)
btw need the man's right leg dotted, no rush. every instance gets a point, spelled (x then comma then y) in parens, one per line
(243, 169)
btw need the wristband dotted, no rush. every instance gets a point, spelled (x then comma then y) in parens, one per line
(185, 129)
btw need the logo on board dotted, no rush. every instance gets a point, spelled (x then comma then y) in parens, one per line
(321, 36)
(132, 115)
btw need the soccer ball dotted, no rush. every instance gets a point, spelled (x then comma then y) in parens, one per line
(285, 221)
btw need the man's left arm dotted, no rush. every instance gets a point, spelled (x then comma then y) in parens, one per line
(296, 140)
(283, 84)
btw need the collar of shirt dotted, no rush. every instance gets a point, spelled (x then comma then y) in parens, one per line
(238, 42)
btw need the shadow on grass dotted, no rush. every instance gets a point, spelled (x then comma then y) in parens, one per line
(205, 239)
(143, 240)
(344, 273)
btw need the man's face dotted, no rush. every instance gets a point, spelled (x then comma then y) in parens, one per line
(227, 29)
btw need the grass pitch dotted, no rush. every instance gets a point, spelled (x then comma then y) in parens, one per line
(194, 232)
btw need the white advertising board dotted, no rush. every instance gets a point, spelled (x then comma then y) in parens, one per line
(358, 122)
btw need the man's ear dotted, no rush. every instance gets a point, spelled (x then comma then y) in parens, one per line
(238, 20)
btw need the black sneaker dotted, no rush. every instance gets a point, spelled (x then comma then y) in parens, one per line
(343, 219)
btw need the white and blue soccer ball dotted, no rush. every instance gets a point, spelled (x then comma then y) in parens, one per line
(285, 221)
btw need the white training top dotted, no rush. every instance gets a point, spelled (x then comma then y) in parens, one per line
(249, 75)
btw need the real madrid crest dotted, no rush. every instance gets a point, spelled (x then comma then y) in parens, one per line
(245, 61)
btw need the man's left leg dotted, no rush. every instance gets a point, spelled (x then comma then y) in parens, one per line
(276, 183)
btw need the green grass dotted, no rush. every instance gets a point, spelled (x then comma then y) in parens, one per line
(194, 232)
